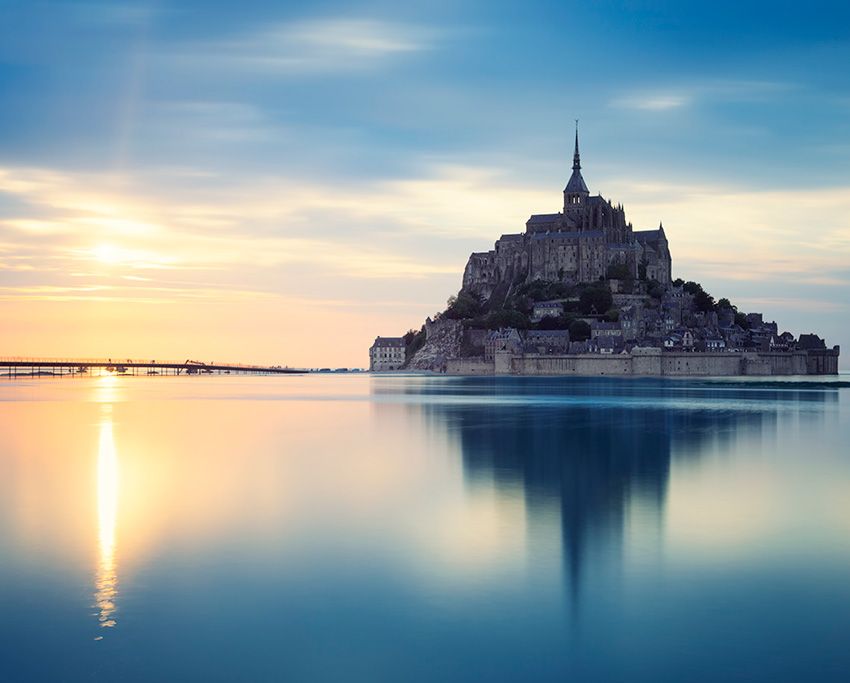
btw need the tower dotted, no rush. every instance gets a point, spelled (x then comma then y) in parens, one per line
(576, 192)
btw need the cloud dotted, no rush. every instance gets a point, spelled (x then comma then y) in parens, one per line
(654, 102)
(318, 46)
(666, 99)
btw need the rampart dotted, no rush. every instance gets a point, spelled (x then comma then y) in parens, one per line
(654, 362)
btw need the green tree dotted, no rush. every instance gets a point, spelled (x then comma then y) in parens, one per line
(464, 305)
(596, 298)
(579, 330)
(506, 318)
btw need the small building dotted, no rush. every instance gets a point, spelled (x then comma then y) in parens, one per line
(506, 339)
(387, 353)
(547, 341)
(599, 329)
(713, 343)
(546, 309)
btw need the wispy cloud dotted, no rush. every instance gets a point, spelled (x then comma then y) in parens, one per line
(678, 97)
(312, 47)
(654, 101)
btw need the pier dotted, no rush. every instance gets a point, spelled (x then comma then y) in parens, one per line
(81, 367)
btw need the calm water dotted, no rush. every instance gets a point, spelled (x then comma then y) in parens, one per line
(350, 528)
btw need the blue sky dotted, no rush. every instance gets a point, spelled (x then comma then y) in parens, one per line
(294, 168)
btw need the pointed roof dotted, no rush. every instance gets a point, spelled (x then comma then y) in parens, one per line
(576, 183)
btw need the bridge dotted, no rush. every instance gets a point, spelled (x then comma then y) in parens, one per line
(67, 367)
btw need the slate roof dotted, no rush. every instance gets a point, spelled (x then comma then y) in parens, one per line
(388, 342)
(576, 183)
(648, 235)
(544, 218)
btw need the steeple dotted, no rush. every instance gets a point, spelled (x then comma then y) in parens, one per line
(576, 192)
(576, 155)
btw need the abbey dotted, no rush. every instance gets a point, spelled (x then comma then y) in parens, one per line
(583, 243)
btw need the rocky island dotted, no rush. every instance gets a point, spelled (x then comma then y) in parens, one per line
(581, 292)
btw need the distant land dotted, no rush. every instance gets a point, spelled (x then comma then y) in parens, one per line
(581, 292)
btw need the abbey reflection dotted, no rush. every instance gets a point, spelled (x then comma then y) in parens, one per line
(591, 446)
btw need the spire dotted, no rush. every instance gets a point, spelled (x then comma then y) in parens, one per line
(576, 156)
(576, 192)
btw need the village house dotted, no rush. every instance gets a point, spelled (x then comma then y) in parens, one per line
(387, 353)
(506, 339)
(546, 309)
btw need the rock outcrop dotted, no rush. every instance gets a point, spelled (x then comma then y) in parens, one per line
(443, 340)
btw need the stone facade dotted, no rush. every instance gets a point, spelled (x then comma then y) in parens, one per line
(576, 245)
(654, 362)
(387, 353)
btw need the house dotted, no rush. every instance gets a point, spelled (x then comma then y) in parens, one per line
(506, 339)
(610, 345)
(387, 353)
(599, 329)
(546, 309)
(547, 341)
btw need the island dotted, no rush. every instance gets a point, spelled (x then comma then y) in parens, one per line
(580, 292)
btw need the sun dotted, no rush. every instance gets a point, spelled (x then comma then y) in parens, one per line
(108, 253)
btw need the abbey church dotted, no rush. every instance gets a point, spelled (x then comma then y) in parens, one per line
(583, 243)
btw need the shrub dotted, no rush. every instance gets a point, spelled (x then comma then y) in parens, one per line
(579, 330)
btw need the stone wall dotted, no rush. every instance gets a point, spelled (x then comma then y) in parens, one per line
(653, 362)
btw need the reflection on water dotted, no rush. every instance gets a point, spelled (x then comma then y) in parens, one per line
(106, 578)
(597, 452)
(416, 528)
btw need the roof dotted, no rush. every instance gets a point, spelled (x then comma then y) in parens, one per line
(544, 335)
(544, 218)
(383, 342)
(601, 325)
(574, 235)
(513, 237)
(649, 235)
(504, 333)
(576, 183)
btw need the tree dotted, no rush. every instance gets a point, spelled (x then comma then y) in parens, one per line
(464, 305)
(704, 301)
(560, 322)
(741, 320)
(579, 330)
(596, 299)
(655, 289)
(725, 303)
(506, 318)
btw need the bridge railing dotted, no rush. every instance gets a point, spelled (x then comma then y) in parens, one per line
(189, 363)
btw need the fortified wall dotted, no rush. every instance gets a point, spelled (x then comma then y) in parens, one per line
(653, 362)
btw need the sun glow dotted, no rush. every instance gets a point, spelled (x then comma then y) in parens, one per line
(106, 580)
(109, 254)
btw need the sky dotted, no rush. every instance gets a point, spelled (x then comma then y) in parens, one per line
(280, 182)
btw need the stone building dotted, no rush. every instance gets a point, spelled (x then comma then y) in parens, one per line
(387, 353)
(507, 339)
(580, 243)
(546, 309)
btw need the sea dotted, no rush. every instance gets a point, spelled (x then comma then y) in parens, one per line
(357, 527)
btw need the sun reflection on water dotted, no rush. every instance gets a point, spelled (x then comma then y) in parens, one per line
(106, 579)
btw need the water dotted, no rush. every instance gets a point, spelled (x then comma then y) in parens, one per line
(343, 528)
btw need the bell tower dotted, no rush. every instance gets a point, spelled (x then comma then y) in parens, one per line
(576, 192)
